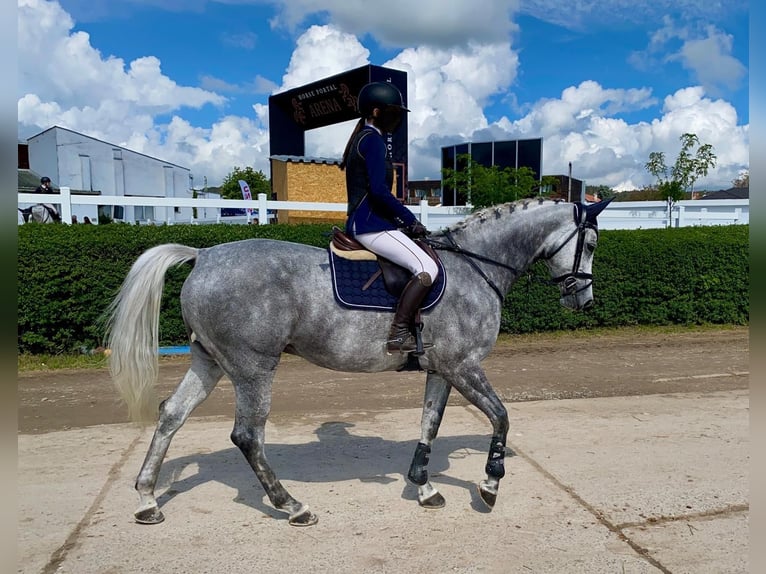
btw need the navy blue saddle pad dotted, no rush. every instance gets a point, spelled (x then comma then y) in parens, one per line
(349, 277)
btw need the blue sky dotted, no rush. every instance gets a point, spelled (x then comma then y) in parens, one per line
(603, 82)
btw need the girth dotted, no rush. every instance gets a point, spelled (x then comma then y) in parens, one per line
(395, 277)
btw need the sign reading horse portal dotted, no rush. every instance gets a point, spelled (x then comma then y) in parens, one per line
(331, 102)
(323, 103)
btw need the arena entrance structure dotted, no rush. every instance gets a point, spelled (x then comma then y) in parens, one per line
(331, 101)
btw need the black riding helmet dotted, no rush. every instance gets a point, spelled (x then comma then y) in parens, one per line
(45, 179)
(387, 98)
(379, 95)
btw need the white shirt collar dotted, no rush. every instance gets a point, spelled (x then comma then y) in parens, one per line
(369, 123)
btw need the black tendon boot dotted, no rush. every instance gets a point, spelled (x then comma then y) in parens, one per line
(401, 338)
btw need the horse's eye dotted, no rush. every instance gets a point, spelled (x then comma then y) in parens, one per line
(591, 247)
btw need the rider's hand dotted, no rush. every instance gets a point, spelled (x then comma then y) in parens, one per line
(416, 230)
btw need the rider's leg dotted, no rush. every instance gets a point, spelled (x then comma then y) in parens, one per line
(397, 247)
(400, 335)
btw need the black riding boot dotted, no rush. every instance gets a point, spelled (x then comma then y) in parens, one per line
(401, 338)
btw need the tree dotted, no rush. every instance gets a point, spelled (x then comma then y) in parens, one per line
(603, 192)
(256, 180)
(485, 186)
(648, 193)
(687, 169)
(742, 180)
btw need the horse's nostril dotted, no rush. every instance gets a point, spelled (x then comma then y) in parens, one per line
(587, 305)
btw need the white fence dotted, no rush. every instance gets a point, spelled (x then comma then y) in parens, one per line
(619, 215)
(686, 213)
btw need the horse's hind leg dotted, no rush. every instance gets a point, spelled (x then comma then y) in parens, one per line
(253, 394)
(197, 384)
(434, 403)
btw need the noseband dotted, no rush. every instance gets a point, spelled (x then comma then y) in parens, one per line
(568, 281)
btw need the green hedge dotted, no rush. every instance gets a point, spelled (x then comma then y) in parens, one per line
(68, 274)
(687, 276)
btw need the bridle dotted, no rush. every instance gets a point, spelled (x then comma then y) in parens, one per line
(567, 282)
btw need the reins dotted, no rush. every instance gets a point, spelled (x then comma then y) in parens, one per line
(569, 279)
(470, 256)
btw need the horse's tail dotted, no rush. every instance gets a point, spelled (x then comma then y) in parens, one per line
(132, 329)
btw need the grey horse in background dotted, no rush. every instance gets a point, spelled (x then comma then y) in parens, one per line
(40, 213)
(247, 302)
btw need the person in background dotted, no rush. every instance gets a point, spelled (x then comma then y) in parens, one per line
(86, 220)
(376, 218)
(45, 185)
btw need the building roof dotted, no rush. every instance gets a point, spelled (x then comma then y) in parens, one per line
(28, 180)
(731, 193)
(429, 184)
(306, 159)
(107, 143)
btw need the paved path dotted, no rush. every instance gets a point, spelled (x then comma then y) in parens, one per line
(652, 483)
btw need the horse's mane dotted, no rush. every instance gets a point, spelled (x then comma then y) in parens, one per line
(495, 211)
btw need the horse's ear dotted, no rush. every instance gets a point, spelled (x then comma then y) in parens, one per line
(593, 209)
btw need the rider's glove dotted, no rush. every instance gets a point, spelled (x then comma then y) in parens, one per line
(416, 230)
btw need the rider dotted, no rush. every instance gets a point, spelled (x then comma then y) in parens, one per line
(45, 185)
(376, 219)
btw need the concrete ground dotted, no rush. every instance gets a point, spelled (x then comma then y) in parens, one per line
(622, 484)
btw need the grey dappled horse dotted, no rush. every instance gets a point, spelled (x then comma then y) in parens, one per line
(40, 213)
(247, 302)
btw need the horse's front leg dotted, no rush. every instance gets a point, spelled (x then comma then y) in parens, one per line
(434, 402)
(472, 383)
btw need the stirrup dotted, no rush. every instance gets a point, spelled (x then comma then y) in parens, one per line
(402, 341)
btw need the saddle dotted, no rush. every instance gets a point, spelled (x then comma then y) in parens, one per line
(395, 277)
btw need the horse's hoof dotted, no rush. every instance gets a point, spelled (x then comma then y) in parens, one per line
(488, 494)
(151, 515)
(304, 517)
(433, 502)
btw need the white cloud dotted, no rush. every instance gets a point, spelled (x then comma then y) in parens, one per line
(604, 13)
(610, 151)
(65, 81)
(706, 53)
(396, 23)
(243, 40)
(258, 85)
(710, 60)
(323, 51)
(65, 75)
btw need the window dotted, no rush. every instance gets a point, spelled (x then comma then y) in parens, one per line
(481, 153)
(108, 213)
(168, 181)
(505, 154)
(530, 154)
(143, 212)
(448, 162)
(85, 173)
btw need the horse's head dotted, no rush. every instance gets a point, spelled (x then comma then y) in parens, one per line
(569, 256)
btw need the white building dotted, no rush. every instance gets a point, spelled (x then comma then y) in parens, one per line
(87, 164)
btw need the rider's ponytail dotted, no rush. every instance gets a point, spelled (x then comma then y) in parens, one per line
(359, 126)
